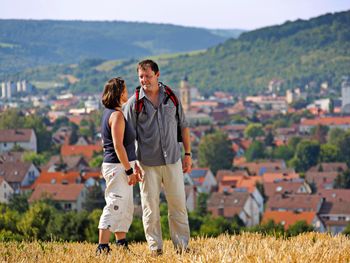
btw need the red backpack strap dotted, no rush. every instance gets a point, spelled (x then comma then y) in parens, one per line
(138, 107)
(170, 95)
(138, 102)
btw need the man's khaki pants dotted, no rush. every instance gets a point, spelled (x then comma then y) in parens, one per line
(171, 176)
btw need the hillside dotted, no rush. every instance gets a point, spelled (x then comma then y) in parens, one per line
(299, 53)
(311, 247)
(28, 43)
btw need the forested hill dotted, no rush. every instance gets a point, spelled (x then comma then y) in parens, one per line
(28, 43)
(297, 52)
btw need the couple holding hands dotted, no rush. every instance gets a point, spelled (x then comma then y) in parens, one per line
(152, 117)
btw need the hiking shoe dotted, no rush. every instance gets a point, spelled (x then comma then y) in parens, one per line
(156, 253)
(183, 250)
(123, 243)
(103, 249)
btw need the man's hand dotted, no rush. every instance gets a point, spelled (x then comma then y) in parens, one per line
(187, 164)
(139, 172)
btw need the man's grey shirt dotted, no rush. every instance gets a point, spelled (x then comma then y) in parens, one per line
(156, 129)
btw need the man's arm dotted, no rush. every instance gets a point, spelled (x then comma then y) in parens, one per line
(186, 140)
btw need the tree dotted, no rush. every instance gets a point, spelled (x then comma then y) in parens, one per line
(283, 152)
(96, 162)
(329, 153)
(335, 136)
(35, 221)
(201, 208)
(36, 158)
(94, 199)
(255, 151)
(215, 151)
(298, 228)
(268, 228)
(344, 147)
(91, 231)
(331, 106)
(293, 142)
(319, 133)
(342, 181)
(307, 155)
(254, 130)
(39, 124)
(269, 139)
(136, 232)
(347, 230)
(11, 119)
(213, 227)
(19, 202)
(299, 104)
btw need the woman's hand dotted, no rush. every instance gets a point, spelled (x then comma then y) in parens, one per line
(133, 179)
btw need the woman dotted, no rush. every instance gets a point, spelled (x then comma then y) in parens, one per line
(117, 167)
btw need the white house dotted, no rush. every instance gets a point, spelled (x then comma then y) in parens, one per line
(241, 204)
(202, 178)
(24, 138)
(71, 197)
(19, 174)
(6, 191)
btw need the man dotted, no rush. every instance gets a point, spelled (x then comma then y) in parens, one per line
(159, 157)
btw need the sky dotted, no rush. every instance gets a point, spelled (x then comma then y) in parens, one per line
(213, 14)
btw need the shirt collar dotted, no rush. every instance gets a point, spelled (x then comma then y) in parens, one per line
(161, 92)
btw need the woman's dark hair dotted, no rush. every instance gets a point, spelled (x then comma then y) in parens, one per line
(112, 92)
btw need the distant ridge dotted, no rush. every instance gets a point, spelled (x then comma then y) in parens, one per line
(28, 43)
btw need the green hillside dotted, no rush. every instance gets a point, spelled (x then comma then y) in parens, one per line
(28, 43)
(299, 53)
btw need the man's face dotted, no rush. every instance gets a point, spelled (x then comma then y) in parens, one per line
(147, 78)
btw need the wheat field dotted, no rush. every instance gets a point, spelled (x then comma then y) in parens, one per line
(247, 247)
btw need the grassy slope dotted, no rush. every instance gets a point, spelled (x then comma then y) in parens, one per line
(310, 247)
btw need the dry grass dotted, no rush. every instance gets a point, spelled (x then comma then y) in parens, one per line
(311, 247)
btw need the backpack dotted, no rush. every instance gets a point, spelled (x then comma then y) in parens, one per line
(139, 103)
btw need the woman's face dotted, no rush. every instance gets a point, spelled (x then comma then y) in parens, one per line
(124, 96)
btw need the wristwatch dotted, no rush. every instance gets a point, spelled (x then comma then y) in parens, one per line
(189, 154)
(130, 171)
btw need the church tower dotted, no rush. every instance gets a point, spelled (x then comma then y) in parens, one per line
(185, 94)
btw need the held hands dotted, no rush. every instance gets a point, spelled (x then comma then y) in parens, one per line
(136, 177)
(187, 164)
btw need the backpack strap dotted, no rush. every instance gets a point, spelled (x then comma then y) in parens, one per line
(138, 107)
(139, 104)
(171, 95)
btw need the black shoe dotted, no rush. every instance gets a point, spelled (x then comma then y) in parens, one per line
(182, 250)
(103, 249)
(157, 252)
(122, 243)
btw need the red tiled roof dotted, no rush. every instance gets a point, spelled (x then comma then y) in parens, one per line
(327, 121)
(85, 150)
(294, 202)
(329, 167)
(58, 178)
(16, 135)
(282, 187)
(58, 192)
(335, 194)
(270, 177)
(288, 218)
(14, 172)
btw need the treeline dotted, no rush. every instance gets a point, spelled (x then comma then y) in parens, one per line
(45, 221)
